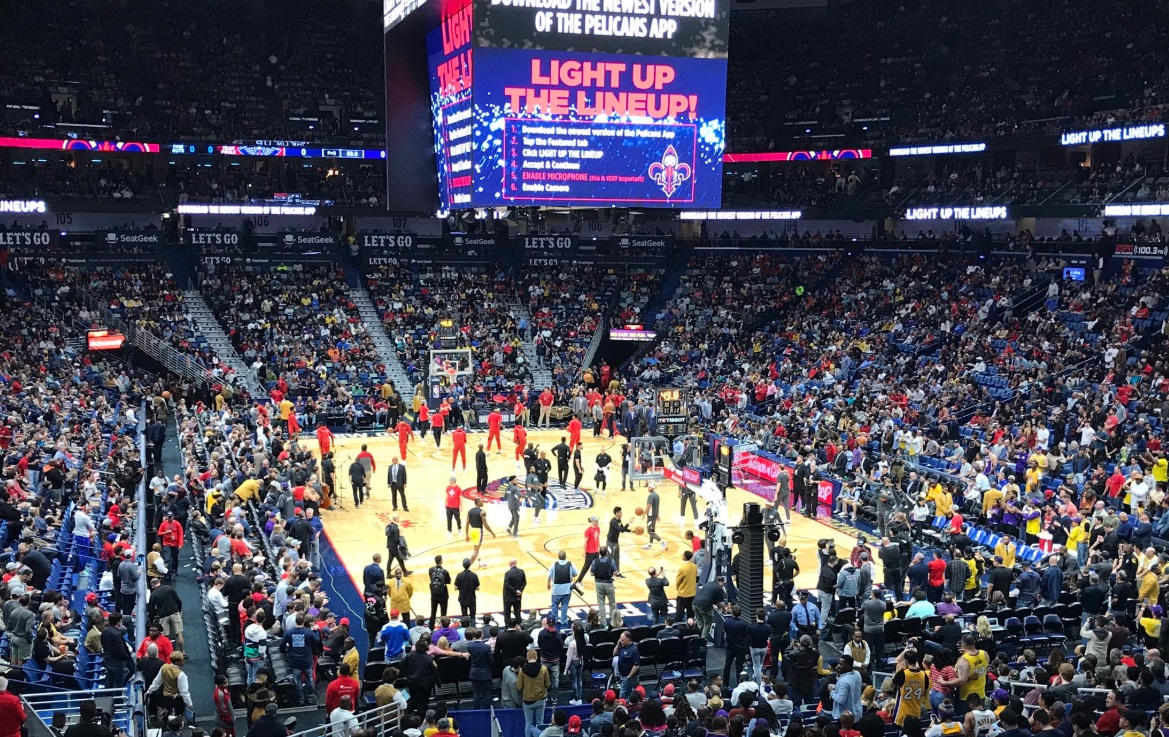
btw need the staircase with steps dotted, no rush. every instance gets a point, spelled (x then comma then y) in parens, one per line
(541, 376)
(372, 318)
(205, 322)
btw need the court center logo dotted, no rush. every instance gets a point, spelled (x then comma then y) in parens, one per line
(559, 497)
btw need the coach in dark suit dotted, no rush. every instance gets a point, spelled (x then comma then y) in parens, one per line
(396, 477)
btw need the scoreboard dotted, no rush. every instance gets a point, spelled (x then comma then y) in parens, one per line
(673, 415)
(566, 102)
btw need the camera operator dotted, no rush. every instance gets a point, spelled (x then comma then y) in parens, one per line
(89, 722)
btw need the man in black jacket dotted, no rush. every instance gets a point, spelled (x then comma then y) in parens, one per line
(166, 608)
(116, 653)
(511, 643)
(269, 725)
(780, 622)
(38, 563)
(738, 644)
(803, 665)
(514, 583)
(481, 470)
(394, 546)
(373, 577)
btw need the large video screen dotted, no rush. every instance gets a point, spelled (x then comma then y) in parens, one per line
(686, 28)
(565, 128)
(449, 59)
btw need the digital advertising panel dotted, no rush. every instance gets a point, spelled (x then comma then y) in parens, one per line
(449, 60)
(568, 128)
(683, 28)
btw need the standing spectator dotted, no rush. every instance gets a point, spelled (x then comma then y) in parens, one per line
(628, 663)
(342, 720)
(467, 584)
(532, 683)
(172, 684)
(659, 602)
(128, 575)
(440, 580)
(738, 644)
(166, 608)
(116, 654)
(342, 687)
(560, 576)
(551, 647)
(395, 545)
(514, 583)
(686, 585)
(170, 532)
(847, 695)
(301, 646)
(603, 572)
(712, 594)
(12, 714)
(873, 611)
(480, 668)
(759, 633)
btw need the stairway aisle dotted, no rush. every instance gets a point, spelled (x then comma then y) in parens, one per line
(204, 321)
(541, 376)
(372, 318)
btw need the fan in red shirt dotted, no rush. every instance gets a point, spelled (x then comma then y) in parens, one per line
(343, 685)
(405, 432)
(546, 399)
(574, 427)
(454, 500)
(520, 437)
(459, 442)
(324, 438)
(936, 579)
(5, 436)
(293, 425)
(494, 426)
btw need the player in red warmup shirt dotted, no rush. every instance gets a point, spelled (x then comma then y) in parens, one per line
(574, 427)
(459, 441)
(324, 439)
(494, 426)
(520, 437)
(405, 433)
(437, 422)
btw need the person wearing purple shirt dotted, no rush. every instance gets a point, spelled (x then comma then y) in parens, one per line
(445, 630)
(948, 606)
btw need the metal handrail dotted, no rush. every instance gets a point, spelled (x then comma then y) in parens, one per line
(383, 720)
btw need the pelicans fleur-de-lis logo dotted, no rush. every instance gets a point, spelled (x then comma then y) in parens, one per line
(669, 173)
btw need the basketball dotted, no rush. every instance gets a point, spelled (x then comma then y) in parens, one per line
(639, 511)
(639, 531)
(166, 396)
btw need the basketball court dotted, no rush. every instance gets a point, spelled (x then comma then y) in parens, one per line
(356, 534)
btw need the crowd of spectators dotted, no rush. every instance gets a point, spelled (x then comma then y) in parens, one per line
(144, 294)
(294, 322)
(924, 73)
(413, 299)
(71, 469)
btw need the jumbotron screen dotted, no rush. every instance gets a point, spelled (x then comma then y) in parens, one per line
(579, 102)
